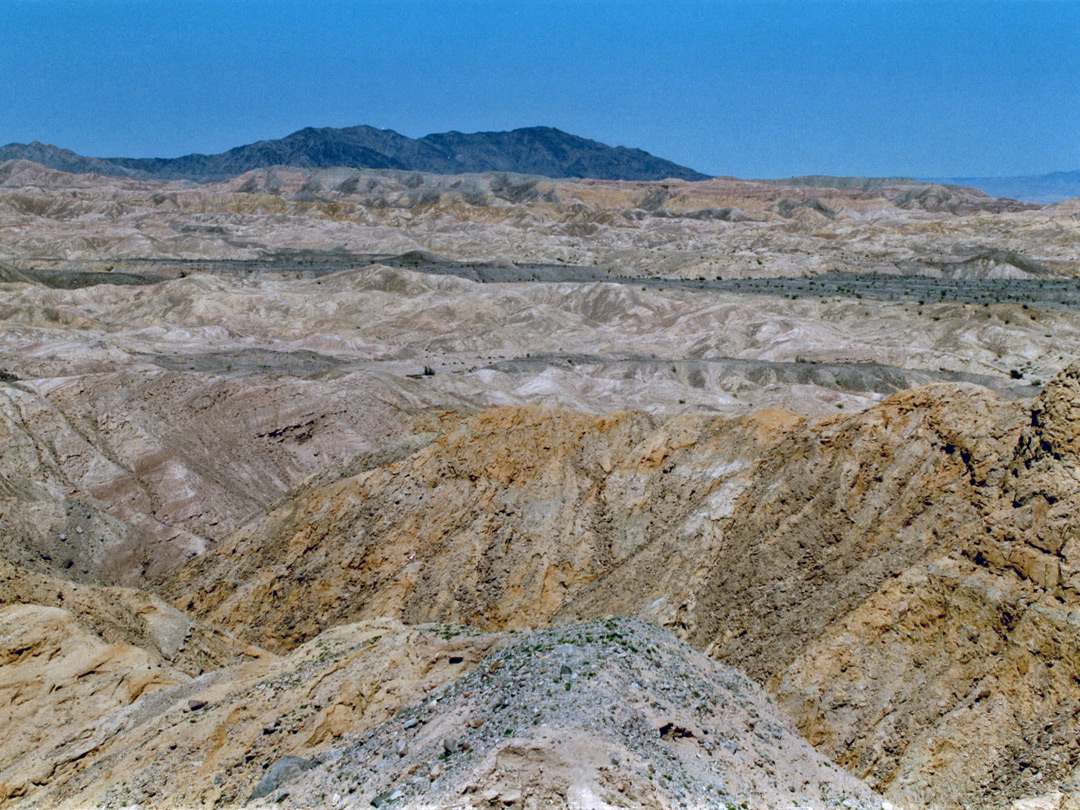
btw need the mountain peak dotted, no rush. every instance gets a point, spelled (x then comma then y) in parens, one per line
(541, 150)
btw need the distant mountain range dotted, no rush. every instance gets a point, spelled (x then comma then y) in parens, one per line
(1042, 188)
(534, 150)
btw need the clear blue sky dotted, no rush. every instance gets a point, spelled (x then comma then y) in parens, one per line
(753, 89)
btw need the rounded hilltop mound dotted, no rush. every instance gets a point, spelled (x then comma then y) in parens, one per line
(609, 714)
(603, 715)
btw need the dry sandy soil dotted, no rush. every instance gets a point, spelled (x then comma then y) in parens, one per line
(341, 489)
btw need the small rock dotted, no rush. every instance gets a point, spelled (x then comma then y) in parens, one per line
(1049, 801)
(78, 530)
(330, 755)
(195, 705)
(672, 731)
(565, 670)
(449, 745)
(386, 796)
(63, 537)
(286, 768)
(412, 722)
(400, 748)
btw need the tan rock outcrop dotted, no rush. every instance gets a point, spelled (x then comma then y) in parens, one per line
(128, 617)
(57, 683)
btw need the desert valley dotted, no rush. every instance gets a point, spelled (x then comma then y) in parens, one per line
(400, 488)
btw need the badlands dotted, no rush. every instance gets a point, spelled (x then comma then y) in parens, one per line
(353, 488)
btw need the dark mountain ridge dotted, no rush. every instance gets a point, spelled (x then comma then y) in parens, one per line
(534, 150)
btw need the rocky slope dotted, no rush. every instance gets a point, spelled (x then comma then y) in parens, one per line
(514, 514)
(899, 577)
(114, 476)
(122, 617)
(143, 423)
(72, 656)
(613, 714)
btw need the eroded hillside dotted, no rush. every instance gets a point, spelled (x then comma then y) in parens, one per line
(327, 488)
(733, 228)
(845, 562)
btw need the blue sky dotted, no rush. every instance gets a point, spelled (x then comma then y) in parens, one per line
(752, 89)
